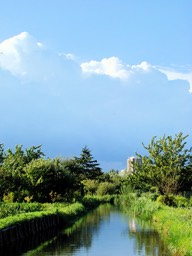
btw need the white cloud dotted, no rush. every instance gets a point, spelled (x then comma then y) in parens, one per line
(17, 53)
(143, 66)
(111, 67)
(175, 75)
(25, 57)
(29, 60)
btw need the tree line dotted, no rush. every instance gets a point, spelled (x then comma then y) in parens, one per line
(26, 175)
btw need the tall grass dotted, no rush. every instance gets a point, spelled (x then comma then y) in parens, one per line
(139, 205)
(10, 209)
(173, 224)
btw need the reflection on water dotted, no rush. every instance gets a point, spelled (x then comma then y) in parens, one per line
(146, 238)
(103, 232)
(19, 247)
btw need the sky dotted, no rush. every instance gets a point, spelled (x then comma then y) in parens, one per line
(108, 75)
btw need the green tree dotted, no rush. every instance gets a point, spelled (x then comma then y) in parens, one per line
(1, 153)
(12, 164)
(14, 161)
(11, 174)
(47, 177)
(90, 186)
(167, 166)
(106, 188)
(112, 176)
(32, 153)
(88, 167)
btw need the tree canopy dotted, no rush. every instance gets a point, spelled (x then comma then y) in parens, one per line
(89, 167)
(27, 173)
(168, 165)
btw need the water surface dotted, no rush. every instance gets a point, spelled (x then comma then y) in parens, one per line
(105, 231)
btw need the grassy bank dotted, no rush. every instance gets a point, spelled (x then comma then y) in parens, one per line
(15, 213)
(173, 224)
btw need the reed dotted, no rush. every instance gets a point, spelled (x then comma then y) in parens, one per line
(141, 206)
(173, 224)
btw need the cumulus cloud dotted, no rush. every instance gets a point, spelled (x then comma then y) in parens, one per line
(143, 66)
(175, 75)
(16, 51)
(30, 60)
(25, 57)
(112, 67)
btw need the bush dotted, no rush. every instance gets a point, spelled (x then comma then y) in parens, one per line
(166, 200)
(106, 188)
(8, 198)
(181, 201)
(173, 200)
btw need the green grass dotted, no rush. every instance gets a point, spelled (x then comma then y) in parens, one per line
(15, 213)
(173, 224)
(142, 206)
(10, 209)
(65, 212)
(17, 219)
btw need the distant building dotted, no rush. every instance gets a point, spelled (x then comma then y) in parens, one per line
(130, 166)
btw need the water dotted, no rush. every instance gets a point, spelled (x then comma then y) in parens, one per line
(105, 231)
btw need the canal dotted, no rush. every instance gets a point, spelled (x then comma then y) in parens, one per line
(105, 231)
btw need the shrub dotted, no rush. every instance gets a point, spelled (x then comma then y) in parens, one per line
(167, 200)
(106, 188)
(173, 200)
(90, 186)
(8, 198)
(90, 201)
(181, 201)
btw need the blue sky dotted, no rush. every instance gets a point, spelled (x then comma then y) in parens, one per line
(106, 74)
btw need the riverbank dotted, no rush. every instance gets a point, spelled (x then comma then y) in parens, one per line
(173, 224)
(175, 227)
(16, 227)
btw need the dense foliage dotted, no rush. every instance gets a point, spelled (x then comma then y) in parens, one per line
(27, 176)
(167, 167)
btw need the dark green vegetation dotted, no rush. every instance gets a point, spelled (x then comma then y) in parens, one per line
(27, 176)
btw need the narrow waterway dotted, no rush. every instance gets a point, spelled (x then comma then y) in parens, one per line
(105, 231)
